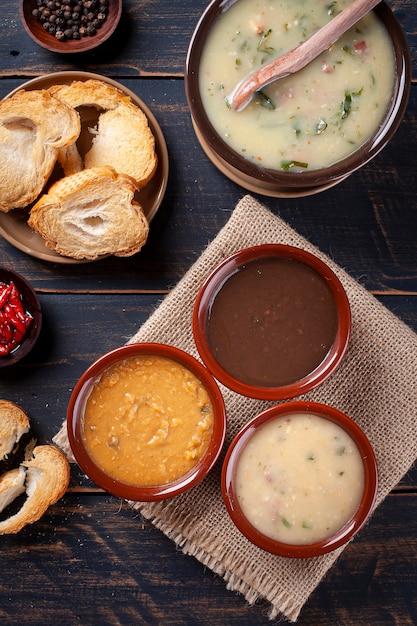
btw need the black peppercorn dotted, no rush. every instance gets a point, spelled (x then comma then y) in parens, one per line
(71, 19)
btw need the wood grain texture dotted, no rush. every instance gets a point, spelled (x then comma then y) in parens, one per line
(152, 40)
(92, 560)
(366, 223)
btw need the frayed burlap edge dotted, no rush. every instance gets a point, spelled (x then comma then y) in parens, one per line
(376, 385)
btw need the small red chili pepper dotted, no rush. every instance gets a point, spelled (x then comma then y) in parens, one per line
(14, 321)
(6, 332)
(16, 302)
(4, 294)
(18, 336)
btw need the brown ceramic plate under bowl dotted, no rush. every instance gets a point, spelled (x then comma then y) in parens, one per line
(289, 534)
(30, 304)
(36, 31)
(287, 184)
(272, 322)
(131, 490)
(13, 225)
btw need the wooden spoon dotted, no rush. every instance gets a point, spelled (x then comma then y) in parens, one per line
(300, 56)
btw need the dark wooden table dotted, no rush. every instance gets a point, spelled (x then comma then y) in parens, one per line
(91, 560)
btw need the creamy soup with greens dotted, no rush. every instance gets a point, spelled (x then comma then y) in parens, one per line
(299, 479)
(313, 118)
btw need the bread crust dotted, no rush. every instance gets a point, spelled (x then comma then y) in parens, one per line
(91, 214)
(123, 139)
(34, 126)
(43, 472)
(47, 479)
(12, 485)
(14, 422)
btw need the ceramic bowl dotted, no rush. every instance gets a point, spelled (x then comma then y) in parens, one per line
(90, 463)
(271, 322)
(279, 183)
(359, 508)
(36, 31)
(13, 224)
(30, 304)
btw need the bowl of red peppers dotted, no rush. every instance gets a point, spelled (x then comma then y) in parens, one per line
(20, 317)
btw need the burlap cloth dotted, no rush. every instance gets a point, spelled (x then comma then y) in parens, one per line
(376, 385)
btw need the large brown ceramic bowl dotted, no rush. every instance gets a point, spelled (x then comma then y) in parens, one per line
(280, 183)
(274, 331)
(286, 532)
(165, 420)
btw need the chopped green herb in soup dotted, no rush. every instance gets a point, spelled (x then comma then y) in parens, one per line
(309, 120)
(299, 479)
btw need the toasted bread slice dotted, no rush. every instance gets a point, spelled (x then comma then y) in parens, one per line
(90, 93)
(124, 141)
(34, 125)
(46, 481)
(12, 485)
(90, 214)
(16, 438)
(123, 138)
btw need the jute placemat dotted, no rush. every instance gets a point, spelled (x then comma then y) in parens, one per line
(376, 385)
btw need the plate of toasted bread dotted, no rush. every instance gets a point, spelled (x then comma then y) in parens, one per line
(83, 168)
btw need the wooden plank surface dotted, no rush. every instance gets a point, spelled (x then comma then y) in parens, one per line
(92, 560)
(366, 223)
(152, 40)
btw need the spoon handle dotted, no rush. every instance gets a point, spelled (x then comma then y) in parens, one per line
(300, 56)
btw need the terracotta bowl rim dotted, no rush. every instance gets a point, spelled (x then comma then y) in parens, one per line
(213, 284)
(349, 529)
(120, 489)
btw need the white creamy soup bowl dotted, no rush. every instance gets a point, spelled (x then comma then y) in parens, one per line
(295, 182)
(300, 479)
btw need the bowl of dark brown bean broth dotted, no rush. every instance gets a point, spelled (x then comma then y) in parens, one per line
(272, 322)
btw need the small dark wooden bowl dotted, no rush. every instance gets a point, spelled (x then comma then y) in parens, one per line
(36, 31)
(30, 303)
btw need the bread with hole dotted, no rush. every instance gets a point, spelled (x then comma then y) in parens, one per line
(34, 126)
(122, 139)
(40, 473)
(16, 437)
(90, 214)
(47, 476)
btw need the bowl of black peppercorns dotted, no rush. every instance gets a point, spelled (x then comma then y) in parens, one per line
(69, 26)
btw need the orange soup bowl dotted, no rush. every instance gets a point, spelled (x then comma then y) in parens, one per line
(146, 422)
(272, 322)
(300, 479)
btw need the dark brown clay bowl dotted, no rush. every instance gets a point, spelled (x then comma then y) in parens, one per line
(280, 183)
(259, 332)
(92, 467)
(351, 526)
(30, 304)
(36, 31)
